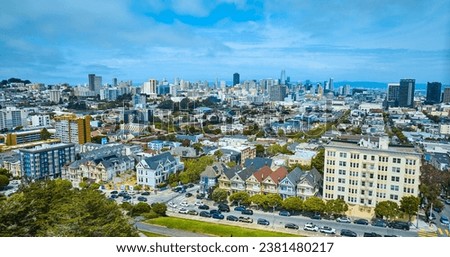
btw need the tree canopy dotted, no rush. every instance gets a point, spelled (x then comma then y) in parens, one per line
(409, 205)
(219, 195)
(314, 204)
(387, 209)
(53, 208)
(293, 204)
(240, 198)
(336, 206)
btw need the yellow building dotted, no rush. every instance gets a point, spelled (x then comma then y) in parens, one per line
(73, 129)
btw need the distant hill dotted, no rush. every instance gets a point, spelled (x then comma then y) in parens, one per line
(14, 80)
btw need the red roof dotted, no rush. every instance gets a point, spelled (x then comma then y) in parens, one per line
(279, 174)
(263, 173)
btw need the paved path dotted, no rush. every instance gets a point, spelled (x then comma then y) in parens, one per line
(166, 231)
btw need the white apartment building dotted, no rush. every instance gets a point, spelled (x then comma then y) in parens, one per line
(369, 172)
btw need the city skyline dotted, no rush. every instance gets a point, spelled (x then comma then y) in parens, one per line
(377, 41)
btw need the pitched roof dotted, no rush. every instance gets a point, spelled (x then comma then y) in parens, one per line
(262, 173)
(229, 173)
(154, 161)
(295, 175)
(279, 174)
(213, 170)
(258, 162)
(245, 173)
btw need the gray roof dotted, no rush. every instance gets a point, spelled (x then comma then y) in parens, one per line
(246, 173)
(441, 158)
(154, 161)
(214, 170)
(258, 162)
(295, 175)
(231, 172)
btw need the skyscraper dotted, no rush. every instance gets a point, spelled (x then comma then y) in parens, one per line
(393, 94)
(149, 87)
(446, 96)
(95, 83)
(72, 129)
(277, 92)
(406, 93)
(236, 79)
(433, 92)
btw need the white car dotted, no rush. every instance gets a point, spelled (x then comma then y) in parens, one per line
(327, 230)
(198, 203)
(172, 204)
(183, 211)
(184, 204)
(310, 227)
(343, 219)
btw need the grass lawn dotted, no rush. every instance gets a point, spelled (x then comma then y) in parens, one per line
(150, 234)
(214, 229)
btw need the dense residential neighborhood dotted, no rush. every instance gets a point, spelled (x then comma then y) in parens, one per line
(301, 149)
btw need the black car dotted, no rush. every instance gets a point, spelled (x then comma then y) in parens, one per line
(239, 208)
(114, 192)
(200, 196)
(371, 234)
(232, 218)
(203, 207)
(145, 193)
(188, 195)
(142, 199)
(247, 212)
(399, 225)
(316, 216)
(218, 216)
(205, 214)
(214, 212)
(291, 226)
(190, 185)
(284, 213)
(224, 207)
(262, 221)
(113, 196)
(379, 223)
(437, 209)
(361, 222)
(349, 233)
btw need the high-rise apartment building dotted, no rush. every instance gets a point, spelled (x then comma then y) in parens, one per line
(370, 171)
(236, 79)
(446, 95)
(47, 161)
(149, 87)
(434, 92)
(55, 95)
(393, 94)
(12, 117)
(406, 93)
(277, 92)
(95, 83)
(73, 129)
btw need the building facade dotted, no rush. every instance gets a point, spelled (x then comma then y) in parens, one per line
(73, 129)
(406, 93)
(155, 170)
(47, 161)
(368, 172)
(434, 92)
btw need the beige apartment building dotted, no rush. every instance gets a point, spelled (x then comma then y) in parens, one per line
(369, 172)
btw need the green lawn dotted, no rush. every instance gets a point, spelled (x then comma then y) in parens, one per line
(150, 234)
(214, 229)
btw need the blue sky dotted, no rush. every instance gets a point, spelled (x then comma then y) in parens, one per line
(375, 40)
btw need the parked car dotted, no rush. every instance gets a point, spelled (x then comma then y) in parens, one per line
(291, 226)
(145, 193)
(327, 230)
(239, 208)
(114, 192)
(343, 219)
(361, 221)
(399, 225)
(190, 185)
(444, 220)
(437, 209)
(379, 223)
(172, 204)
(262, 221)
(245, 219)
(316, 216)
(431, 216)
(188, 195)
(284, 213)
(223, 207)
(247, 212)
(205, 214)
(446, 201)
(113, 196)
(214, 211)
(184, 204)
(349, 233)
(204, 207)
(310, 227)
(371, 234)
(183, 211)
(198, 203)
(232, 218)
(218, 216)
(142, 199)
(200, 196)
(192, 212)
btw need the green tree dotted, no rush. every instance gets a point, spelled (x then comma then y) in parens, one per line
(219, 195)
(160, 209)
(45, 134)
(5, 172)
(319, 160)
(280, 133)
(240, 198)
(231, 164)
(260, 151)
(336, 206)
(140, 209)
(257, 199)
(53, 208)
(314, 204)
(218, 154)
(272, 201)
(293, 204)
(409, 205)
(387, 209)
(4, 181)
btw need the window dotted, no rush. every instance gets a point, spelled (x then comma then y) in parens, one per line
(341, 180)
(396, 160)
(354, 156)
(364, 157)
(331, 153)
(410, 162)
(396, 169)
(341, 172)
(393, 197)
(372, 157)
(381, 186)
(330, 171)
(341, 189)
(394, 188)
(383, 159)
(342, 163)
(382, 177)
(395, 179)
(382, 168)
(343, 155)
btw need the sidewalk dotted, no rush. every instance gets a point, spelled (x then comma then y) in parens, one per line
(425, 226)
